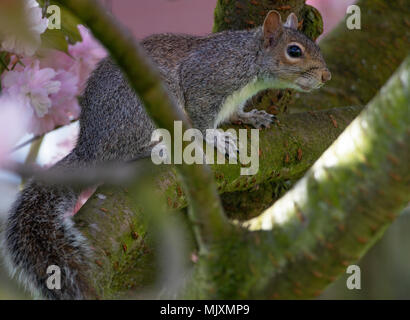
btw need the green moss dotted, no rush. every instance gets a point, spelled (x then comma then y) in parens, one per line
(312, 25)
(247, 14)
(123, 257)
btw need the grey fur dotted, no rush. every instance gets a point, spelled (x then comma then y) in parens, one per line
(201, 73)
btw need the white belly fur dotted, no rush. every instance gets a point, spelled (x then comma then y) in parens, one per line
(237, 100)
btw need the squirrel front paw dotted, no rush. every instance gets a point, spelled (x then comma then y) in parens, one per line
(223, 141)
(256, 118)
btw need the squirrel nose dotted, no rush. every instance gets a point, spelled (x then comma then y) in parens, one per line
(326, 76)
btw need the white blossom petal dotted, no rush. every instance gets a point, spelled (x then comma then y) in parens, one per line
(41, 103)
(12, 41)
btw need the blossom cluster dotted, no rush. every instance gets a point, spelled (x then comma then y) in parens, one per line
(42, 86)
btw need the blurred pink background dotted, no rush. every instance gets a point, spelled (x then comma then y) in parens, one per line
(195, 16)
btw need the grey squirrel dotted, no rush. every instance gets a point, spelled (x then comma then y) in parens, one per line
(210, 77)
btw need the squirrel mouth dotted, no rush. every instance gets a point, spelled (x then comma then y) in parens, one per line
(304, 88)
(309, 88)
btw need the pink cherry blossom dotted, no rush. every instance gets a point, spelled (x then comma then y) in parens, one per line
(33, 85)
(83, 57)
(49, 95)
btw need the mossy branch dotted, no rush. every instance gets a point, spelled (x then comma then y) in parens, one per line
(298, 141)
(344, 203)
(329, 219)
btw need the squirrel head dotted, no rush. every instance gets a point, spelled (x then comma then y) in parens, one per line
(290, 56)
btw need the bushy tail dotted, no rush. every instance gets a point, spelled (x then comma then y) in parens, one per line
(39, 234)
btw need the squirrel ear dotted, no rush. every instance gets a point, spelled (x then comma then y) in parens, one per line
(292, 21)
(272, 24)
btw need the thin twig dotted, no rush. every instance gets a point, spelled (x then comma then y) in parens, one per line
(25, 143)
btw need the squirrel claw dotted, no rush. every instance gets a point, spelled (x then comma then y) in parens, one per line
(257, 118)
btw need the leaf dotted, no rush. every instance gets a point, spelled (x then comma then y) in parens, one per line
(69, 23)
(4, 61)
(54, 39)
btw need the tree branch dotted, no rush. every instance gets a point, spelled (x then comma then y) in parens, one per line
(116, 214)
(344, 203)
(329, 219)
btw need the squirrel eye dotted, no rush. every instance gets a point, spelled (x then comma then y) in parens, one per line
(294, 51)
